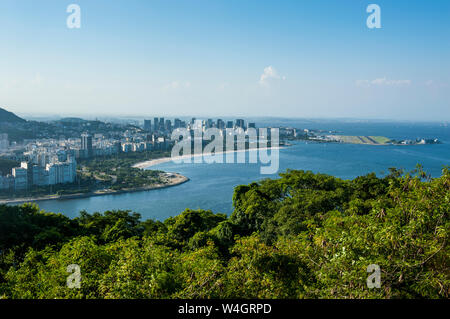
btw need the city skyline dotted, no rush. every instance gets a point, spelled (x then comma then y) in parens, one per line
(228, 59)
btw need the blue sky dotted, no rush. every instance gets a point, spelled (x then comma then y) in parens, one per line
(227, 58)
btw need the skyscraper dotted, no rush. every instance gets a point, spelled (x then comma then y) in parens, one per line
(86, 144)
(168, 125)
(148, 125)
(156, 124)
(240, 123)
(220, 124)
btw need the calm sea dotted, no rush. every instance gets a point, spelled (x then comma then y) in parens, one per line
(211, 185)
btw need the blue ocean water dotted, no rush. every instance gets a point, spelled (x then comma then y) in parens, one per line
(211, 185)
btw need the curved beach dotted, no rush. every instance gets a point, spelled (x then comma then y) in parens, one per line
(153, 162)
(173, 179)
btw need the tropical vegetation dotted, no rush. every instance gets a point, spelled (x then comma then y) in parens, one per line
(303, 235)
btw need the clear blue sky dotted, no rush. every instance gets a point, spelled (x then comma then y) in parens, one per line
(229, 58)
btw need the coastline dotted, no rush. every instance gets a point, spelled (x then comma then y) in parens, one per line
(157, 161)
(176, 180)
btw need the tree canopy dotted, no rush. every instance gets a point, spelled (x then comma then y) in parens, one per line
(303, 235)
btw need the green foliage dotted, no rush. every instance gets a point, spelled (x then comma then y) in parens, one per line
(303, 235)
(26, 226)
(184, 226)
(111, 226)
(118, 173)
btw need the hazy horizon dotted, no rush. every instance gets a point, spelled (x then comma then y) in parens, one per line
(141, 117)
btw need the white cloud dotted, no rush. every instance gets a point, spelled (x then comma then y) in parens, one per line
(177, 85)
(383, 82)
(37, 80)
(268, 75)
(224, 85)
(436, 84)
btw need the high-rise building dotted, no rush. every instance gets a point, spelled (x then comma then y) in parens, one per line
(168, 125)
(28, 166)
(20, 178)
(240, 123)
(177, 123)
(148, 125)
(230, 124)
(156, 124)
(220, 124)
(209, 123)
(86, 145)
(161, 124)
(198, 125)
(251, 125)
(6, 182)
(61, 173)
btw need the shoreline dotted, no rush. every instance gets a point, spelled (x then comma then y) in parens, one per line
(178, 179)
(157, 161)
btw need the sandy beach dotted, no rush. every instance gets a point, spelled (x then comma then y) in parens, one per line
(153, 162)
(172, 179)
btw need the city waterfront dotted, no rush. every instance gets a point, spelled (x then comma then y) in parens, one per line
(211, 185)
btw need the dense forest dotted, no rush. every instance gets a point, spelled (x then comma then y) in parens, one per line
(303, 235)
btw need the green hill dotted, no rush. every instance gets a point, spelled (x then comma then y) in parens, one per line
(9, 117)
(303, 235)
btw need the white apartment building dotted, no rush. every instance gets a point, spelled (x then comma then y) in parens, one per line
(6, 182)
(127, 147)
(20, 178)
(62, 172)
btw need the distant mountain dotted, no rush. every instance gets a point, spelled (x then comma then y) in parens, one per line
(8, 117)
(74, 120)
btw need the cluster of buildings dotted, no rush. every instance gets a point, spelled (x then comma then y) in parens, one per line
(162, 126)
(30, 174)
(52, 161)
(43, 163)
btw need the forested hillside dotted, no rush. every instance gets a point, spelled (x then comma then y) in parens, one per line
(9, 117)
(303, 235)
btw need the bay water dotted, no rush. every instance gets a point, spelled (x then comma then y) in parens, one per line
(211, 185)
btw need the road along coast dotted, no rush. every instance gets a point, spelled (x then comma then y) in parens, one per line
(172, 179)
